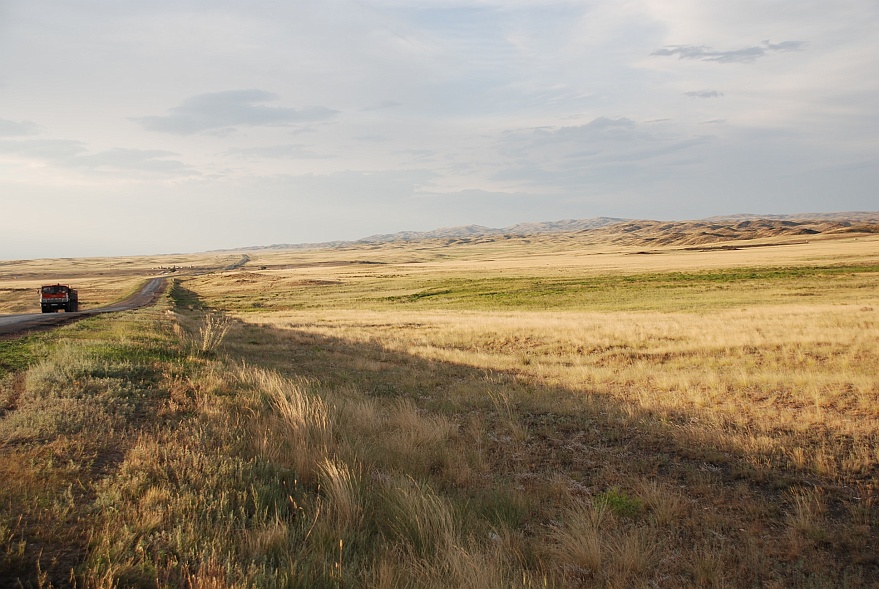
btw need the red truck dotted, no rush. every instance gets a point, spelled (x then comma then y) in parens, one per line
(58, 296)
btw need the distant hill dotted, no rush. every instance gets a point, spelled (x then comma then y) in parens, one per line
(465, 231)
(845, 217)
(566, 226)
(635, 232)
(726, 229)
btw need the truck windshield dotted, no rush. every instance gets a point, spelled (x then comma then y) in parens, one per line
(53, 289)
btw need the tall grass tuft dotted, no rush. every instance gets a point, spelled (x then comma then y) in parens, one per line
(298, 430)
(341, 485)
(422, 521)
(204, 335)
(577, 543)
(212, 331)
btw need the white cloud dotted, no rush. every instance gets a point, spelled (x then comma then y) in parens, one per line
(16, 128)
(220, 110)
(290, 150)
(48, 150)
(742, 55)
(73, 155)
(150, 161)
(704, 94)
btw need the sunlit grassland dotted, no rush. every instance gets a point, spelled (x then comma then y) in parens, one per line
(529, 277)
(525, 412)
(730, 398)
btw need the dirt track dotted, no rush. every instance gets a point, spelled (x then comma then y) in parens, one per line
(11, 324)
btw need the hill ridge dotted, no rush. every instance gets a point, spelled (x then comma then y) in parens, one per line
(613, 229)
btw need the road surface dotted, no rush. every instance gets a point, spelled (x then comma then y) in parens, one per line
(16, 323)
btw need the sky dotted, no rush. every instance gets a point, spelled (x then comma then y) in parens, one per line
(190, 125)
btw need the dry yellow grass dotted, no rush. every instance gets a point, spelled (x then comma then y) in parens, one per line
(552, 253)
(777, 383)
(538, 412)
(730, 393)
(785, 376)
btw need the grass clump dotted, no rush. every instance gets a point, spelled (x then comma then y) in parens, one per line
(202, 335)
(620, 503)
(17, 354)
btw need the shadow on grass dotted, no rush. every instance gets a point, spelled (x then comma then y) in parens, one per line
(557, 445)
(183, 297)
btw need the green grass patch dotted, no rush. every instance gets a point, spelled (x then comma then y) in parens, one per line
(620, 503)
(648, 291)
(17, 354)
(681, 291)
(182, 297)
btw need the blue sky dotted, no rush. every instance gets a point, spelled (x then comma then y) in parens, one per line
(188, 125)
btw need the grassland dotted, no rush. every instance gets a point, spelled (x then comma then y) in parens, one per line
(502, 412)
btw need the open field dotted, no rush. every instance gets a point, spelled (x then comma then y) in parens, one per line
(541, 411)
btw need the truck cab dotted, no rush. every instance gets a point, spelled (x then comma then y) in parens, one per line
(54, 297)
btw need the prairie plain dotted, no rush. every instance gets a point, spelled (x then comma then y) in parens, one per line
(549, 410)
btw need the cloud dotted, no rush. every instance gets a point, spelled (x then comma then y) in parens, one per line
(16, 129)
(418, 155)
(221, 110)
(600, 131)
(601, 128)
(373, 138)
(704, 94)
(604, 154)
(385, 104)
(43, 149)
(72, 154)
(608, 167)
(296, 150)
(134, 160)
(744, 55)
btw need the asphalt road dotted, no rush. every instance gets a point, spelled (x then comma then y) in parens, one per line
(17, 323)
